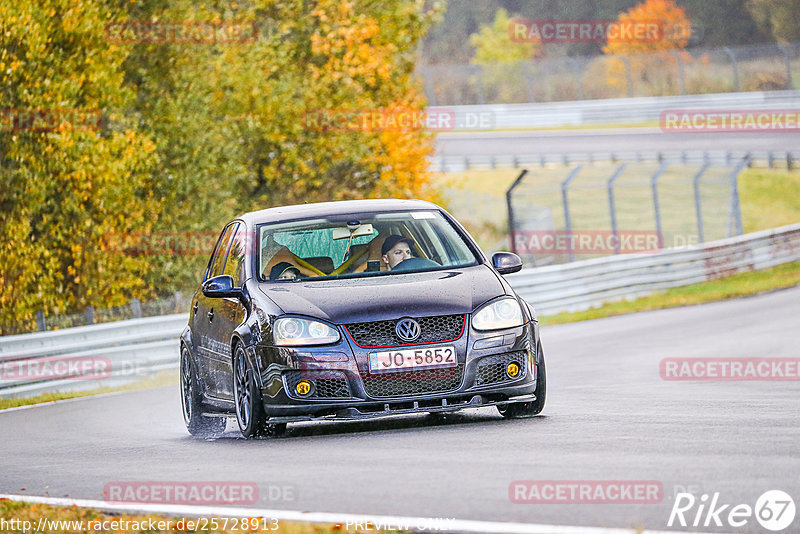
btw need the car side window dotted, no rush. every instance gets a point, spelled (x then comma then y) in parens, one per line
(220, 251)
(235, 263)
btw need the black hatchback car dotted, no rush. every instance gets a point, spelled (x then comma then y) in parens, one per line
(351, 310)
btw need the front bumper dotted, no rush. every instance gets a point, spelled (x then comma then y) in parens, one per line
(371, 411)
(478, 383)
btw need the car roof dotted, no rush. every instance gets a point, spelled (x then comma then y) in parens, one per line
(323, 209)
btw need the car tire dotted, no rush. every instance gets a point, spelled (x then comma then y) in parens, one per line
(247, 397)
(197, 424)
(521, 410)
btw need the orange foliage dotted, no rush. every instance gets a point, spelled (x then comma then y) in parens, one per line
(653, 63)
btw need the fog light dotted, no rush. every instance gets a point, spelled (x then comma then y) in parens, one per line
(304, 388)
(512, 370)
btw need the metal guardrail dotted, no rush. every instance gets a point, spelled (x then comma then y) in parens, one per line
(138, 347)
(118, 353)
(608, 111)
(581, 285)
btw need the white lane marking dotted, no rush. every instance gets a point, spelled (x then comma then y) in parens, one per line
(73, 399)
(455, 525)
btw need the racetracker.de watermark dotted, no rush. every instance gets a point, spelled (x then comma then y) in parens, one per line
(586, 241)
(586, 492)
(396, 120)
(730, 369)
(50, 120)
(181, 32)
(161, 243)
(730, 120)
(585, 31)
(188, 492)
(55, 368)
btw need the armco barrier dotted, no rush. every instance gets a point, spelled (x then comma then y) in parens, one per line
(581, 285)
(613, 110)
(138, 347)
(134, 349)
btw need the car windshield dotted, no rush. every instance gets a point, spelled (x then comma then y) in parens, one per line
(360, 245)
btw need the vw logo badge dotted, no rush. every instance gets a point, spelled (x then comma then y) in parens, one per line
(408, 329)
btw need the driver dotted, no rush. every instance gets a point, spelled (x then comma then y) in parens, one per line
(284, 271)
(396, 249)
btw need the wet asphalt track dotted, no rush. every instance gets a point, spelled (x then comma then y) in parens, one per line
(609, 416)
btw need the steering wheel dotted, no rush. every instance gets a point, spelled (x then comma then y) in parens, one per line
(415, 263)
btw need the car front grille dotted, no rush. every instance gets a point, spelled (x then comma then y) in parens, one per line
(382, 334)
(402, 384)
(492, 369)
(327, 384)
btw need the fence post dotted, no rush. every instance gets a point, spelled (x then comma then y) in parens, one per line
(428, 84)
(576, 66)
(509, 206)
(656, 208)
(565, 200)
(478, 70)
(681, 80)
(628, 75)
(734, 212)
(611, 207)
(697, 205)
(136, 308)
(530, 89)
(41, 323)
(89, 314)
(788, 61)
(735, 66)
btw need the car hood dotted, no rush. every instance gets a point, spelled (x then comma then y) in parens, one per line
(376, 298)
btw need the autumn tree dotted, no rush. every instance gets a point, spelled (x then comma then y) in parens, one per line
(777, 18)
(502, 59)
(192, 134)
(652, 60)
(67, 183)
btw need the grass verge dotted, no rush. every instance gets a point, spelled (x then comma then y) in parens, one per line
(19, 515)
(164, 378)
(769, 198)
(737, 285)
(477, 199)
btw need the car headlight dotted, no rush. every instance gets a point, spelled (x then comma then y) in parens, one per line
(503, 313)
(293, 331)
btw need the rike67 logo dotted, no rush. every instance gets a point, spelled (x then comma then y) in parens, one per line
(774, 510)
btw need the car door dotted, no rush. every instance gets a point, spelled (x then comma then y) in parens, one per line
(229, 314)
(204, 311)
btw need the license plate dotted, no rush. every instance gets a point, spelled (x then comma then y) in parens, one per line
(409, 359)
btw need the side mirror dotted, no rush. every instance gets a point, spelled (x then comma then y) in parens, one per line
(506, 262)
(221, 287)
